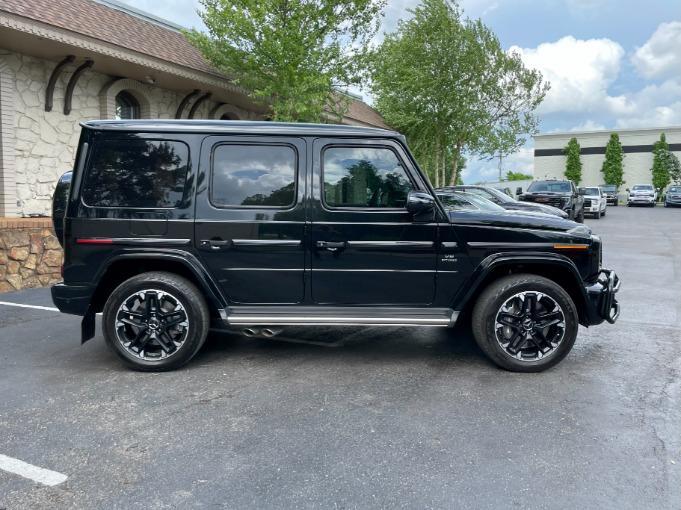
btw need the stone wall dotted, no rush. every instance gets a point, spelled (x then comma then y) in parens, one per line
(30, 255)
(45, 142)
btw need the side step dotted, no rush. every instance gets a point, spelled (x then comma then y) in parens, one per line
(339, 316)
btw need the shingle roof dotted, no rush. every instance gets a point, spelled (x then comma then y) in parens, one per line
(113, 26)
(130, 31)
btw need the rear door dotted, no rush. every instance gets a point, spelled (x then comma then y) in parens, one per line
(365, 248)
(250, 218)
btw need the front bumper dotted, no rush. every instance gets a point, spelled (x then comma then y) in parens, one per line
(673, 200)
(641, 200)
(73, 299)
(602, 304)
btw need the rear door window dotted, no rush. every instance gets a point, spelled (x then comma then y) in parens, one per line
(137, 173)
(251, 175)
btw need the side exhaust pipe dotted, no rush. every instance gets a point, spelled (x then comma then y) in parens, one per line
(270, 332)
(251, 332)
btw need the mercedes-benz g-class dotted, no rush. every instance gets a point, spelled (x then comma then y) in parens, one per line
(170, 228)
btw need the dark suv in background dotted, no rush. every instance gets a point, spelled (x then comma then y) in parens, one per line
(561, 194)
(171, 227)
(509, 203)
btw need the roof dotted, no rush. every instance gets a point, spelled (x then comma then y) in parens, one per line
(240, 126)
(608, 131)
(362, 112)
(115, 26)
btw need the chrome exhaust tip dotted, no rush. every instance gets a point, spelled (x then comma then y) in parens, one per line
(250, 332)
(270, 332)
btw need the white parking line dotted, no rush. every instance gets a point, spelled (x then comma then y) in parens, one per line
(48, 308)
(35, 473)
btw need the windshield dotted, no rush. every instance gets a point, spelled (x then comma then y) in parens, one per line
(675, 189)
(458, 201)
(591, 191)
(643, 187)
(491, 194)
(550, 186)
(609, 188)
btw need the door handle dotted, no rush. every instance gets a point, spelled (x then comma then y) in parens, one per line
(214, 244)
(331, 246)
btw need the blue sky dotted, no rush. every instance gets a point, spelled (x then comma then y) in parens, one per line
(611, 63)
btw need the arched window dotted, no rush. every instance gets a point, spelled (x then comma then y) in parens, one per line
(127, 107)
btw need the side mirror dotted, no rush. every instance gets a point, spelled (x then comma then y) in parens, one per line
(518, 191)
(419, 202)
(657, 189)
(627, 190)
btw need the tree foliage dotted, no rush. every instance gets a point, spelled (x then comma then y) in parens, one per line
(518, 176)
(573, 161)
(613, 166)
(674, 167)
(446, 82)
(661, 163)
(290, 54)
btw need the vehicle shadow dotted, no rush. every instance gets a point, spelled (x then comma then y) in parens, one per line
(347, 343)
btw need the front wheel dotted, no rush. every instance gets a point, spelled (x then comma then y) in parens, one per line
(155, 321)
(525, 323)
(580, 216)
(598, 215)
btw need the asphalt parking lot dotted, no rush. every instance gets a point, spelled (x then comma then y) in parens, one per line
(359, 418)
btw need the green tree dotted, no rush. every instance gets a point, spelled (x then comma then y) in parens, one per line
(613, 167)
(518, 176)
(573, 162)
(661, 167)
(292, 55)
(447, 83)
(674, 167)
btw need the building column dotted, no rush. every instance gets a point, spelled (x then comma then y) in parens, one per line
(8, 176)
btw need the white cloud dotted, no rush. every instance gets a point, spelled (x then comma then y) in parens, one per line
(660, 56)
(580, 72)
(488, 170)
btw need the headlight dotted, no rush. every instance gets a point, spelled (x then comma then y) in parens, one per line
(580, 230)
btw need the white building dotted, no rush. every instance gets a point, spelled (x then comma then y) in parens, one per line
(637, 144)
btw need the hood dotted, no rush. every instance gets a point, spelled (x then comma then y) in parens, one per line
(511, 219)
(534, 207)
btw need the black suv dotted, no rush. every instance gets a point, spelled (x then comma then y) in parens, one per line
(173, 227)
(561, 194)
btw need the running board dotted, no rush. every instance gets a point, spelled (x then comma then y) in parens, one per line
(339, 316)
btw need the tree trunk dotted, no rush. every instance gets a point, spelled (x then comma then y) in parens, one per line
(436, 165)
(455, 166)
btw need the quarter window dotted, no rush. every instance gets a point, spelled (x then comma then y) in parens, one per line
(137, 173)
(254, 175)
(364, 177)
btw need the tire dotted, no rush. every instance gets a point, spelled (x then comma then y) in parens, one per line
(177, 300)
(491, 303)
(598, 215)
(604, 211)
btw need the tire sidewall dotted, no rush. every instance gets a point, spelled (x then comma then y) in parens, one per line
(499, 295)
(180, 289)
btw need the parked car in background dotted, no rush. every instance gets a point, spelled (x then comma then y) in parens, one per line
(642, 194)
(561, 194)
(595, 203)
(673, 196)
(503, 200)
(611, 194)
(171, 228)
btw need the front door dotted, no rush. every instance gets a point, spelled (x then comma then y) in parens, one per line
(250, 217)
(365, 248)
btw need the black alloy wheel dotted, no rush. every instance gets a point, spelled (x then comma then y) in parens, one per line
(525, 322)
(155, 321)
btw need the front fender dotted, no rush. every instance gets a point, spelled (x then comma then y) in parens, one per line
(510, 260)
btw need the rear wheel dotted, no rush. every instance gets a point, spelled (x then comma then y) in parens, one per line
(525, 323)
(155, 321)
